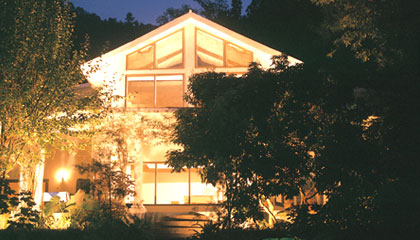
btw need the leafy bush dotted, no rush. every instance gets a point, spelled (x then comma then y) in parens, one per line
(25, 216)
(214, 231)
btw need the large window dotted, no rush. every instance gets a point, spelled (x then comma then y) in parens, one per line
(162, 186)
(155, 91)
(165, 53)
(215, 52)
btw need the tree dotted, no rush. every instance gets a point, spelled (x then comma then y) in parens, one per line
(39, 73)
(172, 13)
(343, 121)
(291, 26)
(108, 183)
(105, 34)
(374, 65)
(245, 142)
(216, 10)
(117, 143)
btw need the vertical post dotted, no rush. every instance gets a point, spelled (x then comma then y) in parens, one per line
(155, 183)
(189, 185)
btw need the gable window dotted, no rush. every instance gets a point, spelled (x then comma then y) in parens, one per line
(163, 54)
(155, 91)
(215, 52)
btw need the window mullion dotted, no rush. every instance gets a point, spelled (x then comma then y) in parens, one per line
(224, 53)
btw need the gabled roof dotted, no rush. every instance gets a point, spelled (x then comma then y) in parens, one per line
(198, 20)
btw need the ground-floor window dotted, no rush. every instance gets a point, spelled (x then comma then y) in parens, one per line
(162, 186)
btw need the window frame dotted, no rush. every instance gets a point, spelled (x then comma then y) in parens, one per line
(155, 189)
(153, 44)
(155, 76)
(225, 43)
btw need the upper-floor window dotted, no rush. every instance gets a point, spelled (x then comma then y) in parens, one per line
(215, 52)
(165, 53)
(155, 91)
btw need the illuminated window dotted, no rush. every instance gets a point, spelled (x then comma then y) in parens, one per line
(169, 91)
(165, 53)
(209, 50)
(162, 186)
(237, 57)
(214, 52)
(155, 91)
(141, 91)
(169, 51)
(141, 59)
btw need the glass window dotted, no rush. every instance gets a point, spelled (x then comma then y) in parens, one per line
(162, 186)
(155, 91)
(165, 53)
(141, 92)
(169, 51)
(172, 187)
(214, 52)
(209, 50)
(237, 57)
(169, 91)
(141, 59)
(148, 187)
(202, 193)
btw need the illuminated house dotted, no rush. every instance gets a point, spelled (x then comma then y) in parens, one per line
(151, 74)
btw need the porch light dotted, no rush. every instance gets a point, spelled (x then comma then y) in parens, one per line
(62, 175)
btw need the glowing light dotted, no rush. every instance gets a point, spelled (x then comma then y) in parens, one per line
(62, 175)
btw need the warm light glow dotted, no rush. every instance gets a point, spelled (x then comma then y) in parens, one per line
(62, 175)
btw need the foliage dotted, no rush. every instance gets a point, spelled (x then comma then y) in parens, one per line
(137, 229)
(25, 216)
(344, 121)
(8, 199)
(291, 26)
(109, 184)
(120, 136)
(213, 231)
(244, 142)
(172, 13)
(39, 73)
(105, 34)
(216, 10)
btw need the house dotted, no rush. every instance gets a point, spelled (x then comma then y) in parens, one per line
(151, 74)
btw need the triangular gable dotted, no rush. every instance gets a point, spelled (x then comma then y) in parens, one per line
(201, 23)
(187, 45)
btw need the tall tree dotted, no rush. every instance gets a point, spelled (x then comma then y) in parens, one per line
(38, 76)
(247, 143)
(172, 13)
(291, 26)
(105, 34)
(346, 121)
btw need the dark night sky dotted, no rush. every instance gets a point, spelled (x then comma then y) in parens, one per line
(145, 11)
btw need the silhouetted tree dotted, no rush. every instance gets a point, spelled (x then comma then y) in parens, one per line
(172, 13)
(105, 35)
(346, 120)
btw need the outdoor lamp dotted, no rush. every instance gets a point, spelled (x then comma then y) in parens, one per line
(62, 175)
